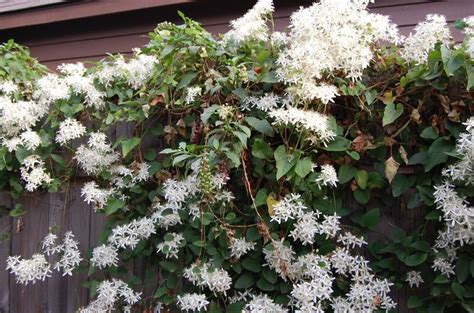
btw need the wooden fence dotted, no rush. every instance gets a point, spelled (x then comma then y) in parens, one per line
(67, 210)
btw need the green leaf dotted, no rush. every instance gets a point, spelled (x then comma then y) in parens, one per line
(129, 144)
(458, 290)
(437, 152)
(401, 183)
(246, 280)
(21, 154)
(338, 144)
(264, 285)
(261, 149)
(270, 77)
(361, 178)
(415, 259)
(261, 126)
(371, 218)
(414, 302)
(113, 205)
(362, 196)
(186, 79)
(462, 268)
(252, 265)
(346, 173)
(284, 162)
(429, 133)
(17, 211)
(303, 167)
(391, 113)
(207, 112)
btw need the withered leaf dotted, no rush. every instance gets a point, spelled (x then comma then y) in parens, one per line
(391, 168)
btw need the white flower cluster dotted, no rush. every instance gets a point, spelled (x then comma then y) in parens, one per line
(192, 302)
(313, 274)
(80, 83)
(70, 256)
(95, 195)
(265, 103)
(104, 256)
(457, 213)
(109, 292)
(29, 270)
(97, 155)
(428, 33)
(130, 234)
(170, 247)
(306, 225)
(469, 31)
(8, 87)
(136, 71)
(328, 176)
(191, 94)
(34, 173)
(328, 37)
(252, 25)
(17, 118)
(206, 275)
(303, 120)
(414, 279)
(263, 304)
(69, 129)
(240, 247)
(38, 268)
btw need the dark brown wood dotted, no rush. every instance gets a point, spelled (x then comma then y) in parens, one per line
(77, 10)
(5, 251)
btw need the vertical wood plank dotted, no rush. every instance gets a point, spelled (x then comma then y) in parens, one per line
(5, 249)
(57, 284)
(78, 213)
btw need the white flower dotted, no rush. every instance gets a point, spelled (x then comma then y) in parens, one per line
(315, 123)
(324, 92)
(130, 234)
(109, 292)
(138, 70)
(330, 225)
(97, 156)
(29, 270)
(306, 227)
(51, 88)
(71, 69)
(95, 195)
(253, 25)
(288, 208)
(30, 139)
(429, 32)
(191, 94)
(8, 87)
(331, 36)
(34, 173)
(19, 116)
(192, 302)
(280, 258)
(265, 103)
(49, 245)
(351, 241)
(170, 247)
(444, 266)
(104, 256)
(70, 255)
(240, 246)
(216, 279)
(414, 279)
(328, 176)
(263, 304)
(69, 129)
